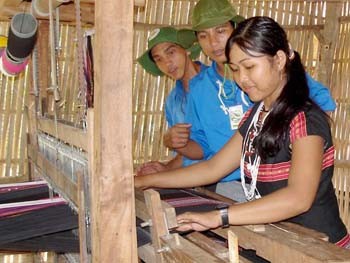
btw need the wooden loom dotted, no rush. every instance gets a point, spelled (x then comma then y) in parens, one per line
(104, 119)
(281, 242)
(269, 241)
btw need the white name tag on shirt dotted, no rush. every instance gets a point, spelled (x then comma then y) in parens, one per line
(235, 114)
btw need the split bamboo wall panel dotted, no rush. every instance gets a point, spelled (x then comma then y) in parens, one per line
(13, 123)
(14, 100)
(71, 106)
(305, 23)
(302, 20)
(340, 84)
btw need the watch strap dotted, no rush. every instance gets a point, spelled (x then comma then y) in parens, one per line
(224, 217)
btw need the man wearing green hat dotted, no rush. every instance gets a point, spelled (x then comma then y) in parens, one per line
(215, 103)
(168, 55)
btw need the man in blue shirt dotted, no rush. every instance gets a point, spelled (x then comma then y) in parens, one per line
(215, 103)
(168, 55)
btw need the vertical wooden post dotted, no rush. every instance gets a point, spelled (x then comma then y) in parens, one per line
(83, 249)
(328, 41)
(32, 141)
(43, 65)
(158, 218)
(233, 246)
(112, 188)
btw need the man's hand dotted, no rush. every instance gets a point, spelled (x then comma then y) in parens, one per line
(177, 136)
(151, 168)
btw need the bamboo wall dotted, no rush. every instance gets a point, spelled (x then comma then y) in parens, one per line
(307, 23)
(13, 122)
(149, 97)
(30, 93)
(340, 85)
(71, 106)
(316, 29)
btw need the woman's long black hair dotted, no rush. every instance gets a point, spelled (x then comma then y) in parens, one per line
(265, 36)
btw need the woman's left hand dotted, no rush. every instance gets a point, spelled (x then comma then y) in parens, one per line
(198, 221)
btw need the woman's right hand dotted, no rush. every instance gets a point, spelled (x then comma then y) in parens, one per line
(198, 221)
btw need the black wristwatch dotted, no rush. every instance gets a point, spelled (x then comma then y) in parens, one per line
(223, 208)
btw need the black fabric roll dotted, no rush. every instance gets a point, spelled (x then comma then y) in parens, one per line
(60, 242)
(21, 195)
(37, 223)
(22, 36)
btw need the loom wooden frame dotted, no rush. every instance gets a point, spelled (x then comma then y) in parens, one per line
(102, 133)
(151, 209)
(270, 241)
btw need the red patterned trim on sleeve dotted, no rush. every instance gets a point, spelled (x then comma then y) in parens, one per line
(344, 242)
(298, 127)
(328, 158)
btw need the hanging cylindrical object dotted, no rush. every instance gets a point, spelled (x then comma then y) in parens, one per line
(22, 36)
(41, 7)
(10, 67)
(20, 44)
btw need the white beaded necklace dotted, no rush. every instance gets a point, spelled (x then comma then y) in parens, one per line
(252, 166)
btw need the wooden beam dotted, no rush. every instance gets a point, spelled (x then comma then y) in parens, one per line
(178, 249)
(281, 241)
(140, 206)
(209, 245)
(342, 164)
(66, 133)
(329, 37)
(158, 220)
(18, 2)
(147, 253)
(143, 214)
(83, 235)
(67, 13)
(14, 3)
(14, 161)
(112, 203)
(139, 2)
(43, 66)
(276, 243)
(9, 8)
(16, 179)
(168, 247)
(233, 246)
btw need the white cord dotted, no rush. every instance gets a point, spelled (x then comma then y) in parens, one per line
(221, 91)
(253, 168)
